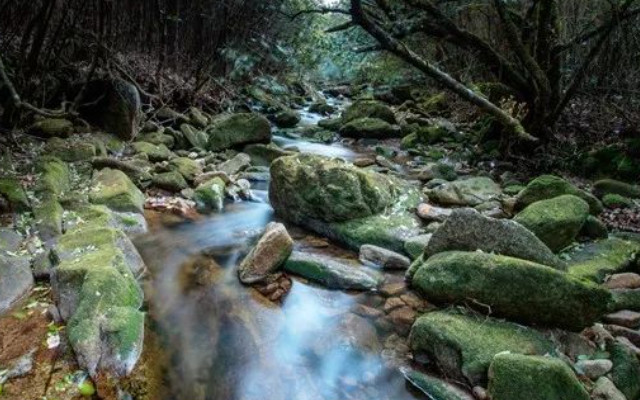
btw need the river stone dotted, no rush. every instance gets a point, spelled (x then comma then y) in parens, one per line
(238, 129)
(197, 139)
(369, 128)
(524, 377)
(264, 154)
(611, 186)
(604, 389)
(236, 164)
(433, 387)
(368, 109)
(463, 346)
(271, 251)
(379, 257)
(328, 189)
(114, 189)
(468, 230)
(555, 221)
(595, 260)
(51, 127)
(187, 167)
(627, 280)
(48, 218)
(593, 369)
(155, 152)
(332, 273)
(513, 288)
(173, 181)
(626, 370)
(431, 213)
(209, 196)
(16, 280)
(549, 186)
(468, 192)
(286, 119)
(415, 246)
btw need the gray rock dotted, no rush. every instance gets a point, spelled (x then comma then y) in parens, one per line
(331, 272)
(593, 369)
(604, 389)
(235, 165)
(468, 230)
(16, 281)
(9, 240)
(270, 252)
(379, 257)
(431, 213)
(467, 192)
(626, 318)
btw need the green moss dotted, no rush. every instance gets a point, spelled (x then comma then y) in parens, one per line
(550, 186)
(209, 195)
(434, 388)
(55, 176)
(435, 103)
(286, 118)
(522, 377)
(48, 215)
(155, 152)
(415, 246)
(195, 137)
(611, 186)
(187, 167)
(52, 127)
(516, 289)
(12, 191)
(368, 109)
(463, 346)
(238, 129)
(611, 200)
(171, 181)
(72, 149)
(158, 138)
(594, 261)
(555, 221)
(513, 190)
(114, 189)
(626, 370)
(371, 128)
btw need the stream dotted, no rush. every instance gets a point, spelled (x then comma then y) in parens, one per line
(223, 340)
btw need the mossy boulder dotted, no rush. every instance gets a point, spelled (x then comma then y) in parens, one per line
(468, 230)
(463, 346)
(612, 186)
(264, 154)
(549, 186)
(48, 218)
(286, 119)
(555, 221)
(155, 152)
(158, 138)
(238, 129)
(368, 109)
(523, 377)
(369, 128)
(52, 127)
(321, 107)
(626, 370)
(73, 149)
(513, 288)
(55, 176)
(187, 167)
(197, 118)
(433, 387)
(196, 138)
(114, 189)
(612, 200)
(332, 273)
(209, 196)
(415, 246)
(12, 191)
(465, 192)
(594, 261)
(330, 124)
(172, 181)
(426, 135)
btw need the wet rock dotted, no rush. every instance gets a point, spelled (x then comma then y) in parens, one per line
(275, 286)
(611, 186)
(209, 196)
(368, 109)
(402, 318)
(604, 389)
(238, 129)
(364, 162)
(195, 138)
(322, 108)
(433, 387)
(71, 150)
(172, 181)
(593, 369)
(523, 377)
(431, 213)
(594, 261)
(16, 280)
(154, 152)
(332, 273)
(549, 186)
(379, 257)
(286, 119)
(555, 221)
(369, 128)
(236, 164)
(13, 193)
(416, 245)
(271, 251)
(52, 127)
(628, 280)
(504, 284)
(626, 370)
(626, 318)
(463, 346)
(331, 124)
(468, 230)
(114, 189)
(466, 192)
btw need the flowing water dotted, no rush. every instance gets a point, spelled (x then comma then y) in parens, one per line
(224, 341)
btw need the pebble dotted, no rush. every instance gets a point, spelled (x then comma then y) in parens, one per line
(593, 369)
(626, 318)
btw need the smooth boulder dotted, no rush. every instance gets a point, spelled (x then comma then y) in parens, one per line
(549, 186)
(238, 129)
(114, 189)
(369, 128)
(368, 109)
(271, 251)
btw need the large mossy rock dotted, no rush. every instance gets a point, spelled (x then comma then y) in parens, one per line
(73, 149)
(513, 288)
(238, 129)
(522, 377)
(307, 187)
(549, 186)
(466, 192)
(209, 195)
(368, 109)
(468, 230)
(55, 176)
(626, 370)
(611, 186)
(114, 189)
(369, 128)
(463, 346)
(594, 261)
(286, 119)
(435, 388)
(155, 152)
(555, 221)
(187, 167)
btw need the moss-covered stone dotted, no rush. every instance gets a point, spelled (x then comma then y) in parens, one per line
(321, 107)
(415, 246)
(238, 129)
(12, 191)
(516, 289)
(435, 388)
(187, 167)
(72, 149)
(196, 138)
(209, 196)
(114, 189)
(612, 200)
(52, 127)
(286, 118)
(550, 186)
(594, 228)
(594, 261)
(611, 186)
(465, 192)
(48, 215)
(155, 152)
(522, 377)
(555, 221)
(172, 181)
(463, 346)
(369, 128)
(264, 154)
(158, 138)
(368, 109)
(197, 118)
(55, 176)
(331, 124)
(426, 135)
(626, 370)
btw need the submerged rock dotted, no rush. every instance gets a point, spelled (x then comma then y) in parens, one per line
(468, 230)
(555, 221)
(368, 109)
(523, 377)
(467, 192)
(463, 346)
(114, 189)
(549, 186)
(238, 129)
(332, 273)
(271, 251)
(513, 288)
